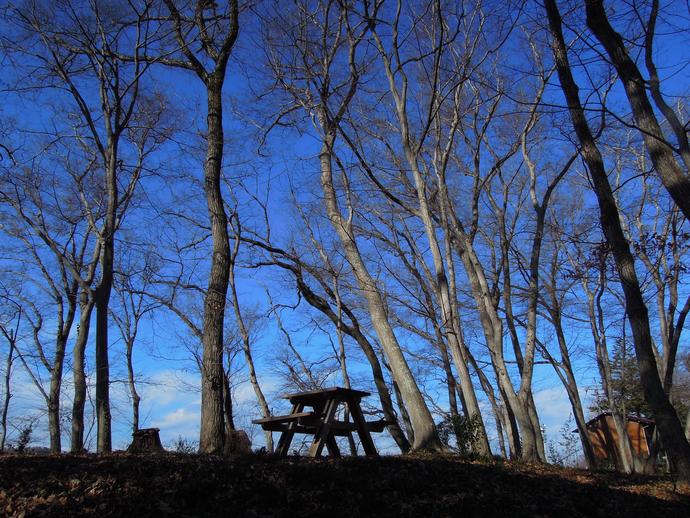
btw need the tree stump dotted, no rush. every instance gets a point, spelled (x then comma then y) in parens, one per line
(237, 443)
(146, 440)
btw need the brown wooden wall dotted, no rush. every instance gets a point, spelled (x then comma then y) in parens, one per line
(602, 433)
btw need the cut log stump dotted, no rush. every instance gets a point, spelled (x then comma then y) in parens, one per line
(237, 443)
(146, 440)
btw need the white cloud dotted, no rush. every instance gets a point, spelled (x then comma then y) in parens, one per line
(553, 406)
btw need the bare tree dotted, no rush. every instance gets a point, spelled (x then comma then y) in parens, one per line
(326, 38)
(79, 55)
(10, 324)
(244, 330)
(216, 33)
(666, 418)
(554, 299)
(412, 147)
(131, 282)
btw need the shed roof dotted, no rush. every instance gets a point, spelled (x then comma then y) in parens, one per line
(634, 418)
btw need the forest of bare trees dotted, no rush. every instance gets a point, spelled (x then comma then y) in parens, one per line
(447, 204)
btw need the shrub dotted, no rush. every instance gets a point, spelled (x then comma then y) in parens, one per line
(464, 429)
(185, 446)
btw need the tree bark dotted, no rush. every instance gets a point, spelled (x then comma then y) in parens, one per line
(131, 381)
(212, 429)
(54, 399)
(11, 337)
(102, 303)
(212, 434)
(425, 434)
(86, 304)
(672, 176)
(666, 418)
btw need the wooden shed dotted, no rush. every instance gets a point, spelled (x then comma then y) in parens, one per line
(602, 433)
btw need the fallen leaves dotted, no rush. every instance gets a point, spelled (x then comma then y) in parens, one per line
(188, 485)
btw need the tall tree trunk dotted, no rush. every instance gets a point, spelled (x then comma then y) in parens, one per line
(443, 294)
(212, 435)
(227, 403)
(102, 302)
(54, 399)
(425, 433)
(493, 332)
(441, 288)
(104, 444)
(8, 392)
(672, 176)
(131, 382)
(666, 418)
(86, 304)
(55, 389)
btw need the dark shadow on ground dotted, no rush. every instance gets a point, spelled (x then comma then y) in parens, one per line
(183, 485)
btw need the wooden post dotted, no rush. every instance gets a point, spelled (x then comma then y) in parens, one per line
(286, 437)
(324, 429)
(364, 435)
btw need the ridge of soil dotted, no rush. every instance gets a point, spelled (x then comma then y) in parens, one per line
(195, 485)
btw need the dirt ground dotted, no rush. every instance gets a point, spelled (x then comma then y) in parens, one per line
(191, 485)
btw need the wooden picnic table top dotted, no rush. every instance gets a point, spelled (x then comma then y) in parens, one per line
(320, 395)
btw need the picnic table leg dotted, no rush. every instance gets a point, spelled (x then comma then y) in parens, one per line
(323, 431)
(286, 437)
(332, 445)
(364, 435)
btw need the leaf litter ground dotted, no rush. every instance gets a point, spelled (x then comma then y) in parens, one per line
(252, 486)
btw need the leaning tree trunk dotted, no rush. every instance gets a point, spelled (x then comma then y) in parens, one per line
(564, 368)
(448, 321)
(570, 384)
(425, 434)
(493, 332)
(672, 176)
(666, 418)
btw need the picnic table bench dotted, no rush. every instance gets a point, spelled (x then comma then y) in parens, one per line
(321, 422)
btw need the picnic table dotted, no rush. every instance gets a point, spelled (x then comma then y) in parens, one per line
(322, 422)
